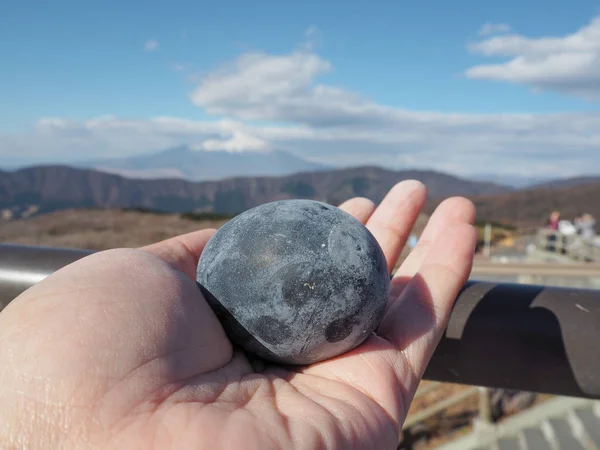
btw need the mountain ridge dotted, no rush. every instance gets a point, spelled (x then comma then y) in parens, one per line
(55, 187)
(41, 189)
(531, 207)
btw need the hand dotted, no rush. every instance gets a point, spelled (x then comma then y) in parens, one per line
(121, 351)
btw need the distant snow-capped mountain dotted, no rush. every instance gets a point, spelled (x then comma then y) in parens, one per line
(200, 165)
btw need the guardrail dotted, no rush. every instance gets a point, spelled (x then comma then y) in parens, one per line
(572, 246)
(426, 423)
(500, 335)
(449, 402)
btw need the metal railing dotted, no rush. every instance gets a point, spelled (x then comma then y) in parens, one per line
(572, 246)
(448, 402)
(447, 413)
(23, 266)
(500, 335)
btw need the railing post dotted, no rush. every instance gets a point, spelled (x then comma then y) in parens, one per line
(485, 406)
(487, 237)
(482, 424)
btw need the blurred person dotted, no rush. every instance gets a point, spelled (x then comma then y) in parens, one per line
(552, 223)
(587, 225)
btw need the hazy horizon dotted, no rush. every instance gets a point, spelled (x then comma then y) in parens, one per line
(516, 181)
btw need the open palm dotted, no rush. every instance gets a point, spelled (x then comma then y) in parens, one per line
(120, 350)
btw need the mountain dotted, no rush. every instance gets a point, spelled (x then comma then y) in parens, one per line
(569, 182)
(200, 165)
(526, 182)
(515, 181)
(51, 188)
(531, 207)
(41, 189)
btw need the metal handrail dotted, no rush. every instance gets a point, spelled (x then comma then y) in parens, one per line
(573, 246)
(484, 411)
(440, 406)
(23, 266)
(500, 335)
(424, 390)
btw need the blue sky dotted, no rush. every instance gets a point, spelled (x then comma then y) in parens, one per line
(332, 80)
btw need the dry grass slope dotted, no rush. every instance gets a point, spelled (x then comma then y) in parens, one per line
(98, 229)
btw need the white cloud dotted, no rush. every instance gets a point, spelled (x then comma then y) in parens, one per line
(494, 28)
(277, 102)
(282, 88)
(151, 45)
(559, 144)
(311, 31)
(313, 37)
(568, 64)
(258, 86)
(236, 141)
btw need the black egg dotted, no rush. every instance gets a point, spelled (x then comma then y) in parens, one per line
(295, 281)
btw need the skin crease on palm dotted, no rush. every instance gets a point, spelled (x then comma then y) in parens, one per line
(121, 351)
